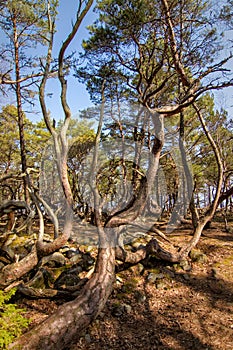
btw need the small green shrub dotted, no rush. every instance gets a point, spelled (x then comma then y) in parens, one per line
(12, 321)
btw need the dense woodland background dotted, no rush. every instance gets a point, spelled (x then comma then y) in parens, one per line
(112, 214)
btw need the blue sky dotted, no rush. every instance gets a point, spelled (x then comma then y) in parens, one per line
(78, 97)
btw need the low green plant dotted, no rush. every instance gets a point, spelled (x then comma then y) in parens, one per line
(12, 321)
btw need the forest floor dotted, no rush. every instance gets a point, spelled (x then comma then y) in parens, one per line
(165, 307)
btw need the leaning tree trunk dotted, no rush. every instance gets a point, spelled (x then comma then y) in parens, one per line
(209, 214)
(67, 324)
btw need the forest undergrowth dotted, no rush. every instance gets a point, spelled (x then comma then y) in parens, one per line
(156, 305)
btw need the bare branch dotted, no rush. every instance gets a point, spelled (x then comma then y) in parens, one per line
(65, 45)
(51, 28)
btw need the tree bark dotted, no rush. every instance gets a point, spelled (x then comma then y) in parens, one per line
(65, 326)
(12, 272)
(20, 112)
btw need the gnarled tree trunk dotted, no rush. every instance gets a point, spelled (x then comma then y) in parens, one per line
(66, 325)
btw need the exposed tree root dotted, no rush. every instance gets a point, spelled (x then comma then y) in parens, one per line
(12, 272)
(39, 293)
(66, 324)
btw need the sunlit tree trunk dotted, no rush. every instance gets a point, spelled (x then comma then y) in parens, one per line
(66, 324)
(20, 111)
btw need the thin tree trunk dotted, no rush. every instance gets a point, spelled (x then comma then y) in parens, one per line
(213, 206)
(20, 113)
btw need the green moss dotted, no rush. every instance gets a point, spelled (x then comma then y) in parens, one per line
(197, 256)
(120, 276)
(134, 281)
(120, 296)
(154, 270)
(223, 268)
(130, 285)
(137, 270)
(228, 261)
(18, 241)
(177, 267)
(54, 273)
(12, 321)
(116, 304)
